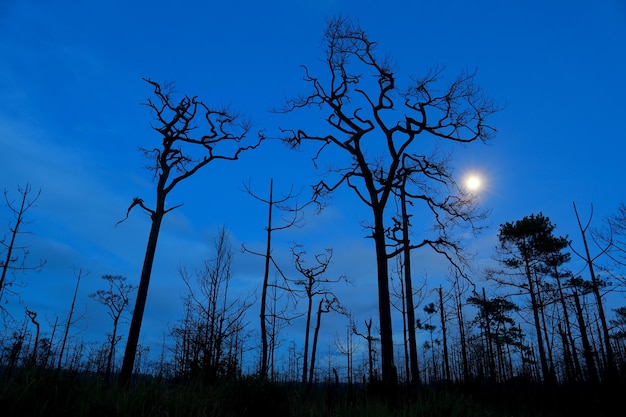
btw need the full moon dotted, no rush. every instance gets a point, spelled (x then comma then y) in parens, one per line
(473, 182)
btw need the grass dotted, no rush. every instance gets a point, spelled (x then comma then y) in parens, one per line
(35, 392)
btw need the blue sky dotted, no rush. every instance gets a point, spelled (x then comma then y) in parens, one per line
(71, 124)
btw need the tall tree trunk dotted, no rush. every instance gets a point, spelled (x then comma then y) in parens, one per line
(491, 355)
(318, 324)
(611, 371)
(307, 327)
(111, 349)
(266, 274)
(571, 359)
(446, 360)
(405, 331)
(128, 363)
(69, 321)
(545, 371)
(414, 376)
(592, 373)
(389, 373)
(461, 320)
(548, 344)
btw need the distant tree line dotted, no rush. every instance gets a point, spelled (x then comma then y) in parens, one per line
(532, 319)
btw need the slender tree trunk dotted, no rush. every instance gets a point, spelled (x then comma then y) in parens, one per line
(491, 356)
(542, 314)
(69, 321)
(8, 259)
(272, 336)
(370, 349)
(567, 355)
(54, 331)
(318, 324)
(592, 373)
(111, 349)
(33, 318)
(535, 307)
(268, 252)
(405, 331)
(349, 354)
(571, 359)
(446, 360)
(461, 320)
(414, 376)
(307, 328)
(595, 286)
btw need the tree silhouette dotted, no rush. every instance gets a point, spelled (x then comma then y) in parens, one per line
(116, 298)
(310, 286)
(213, 328)
(70, 317)
(364, 107)
(494, 320)
(596, 284)
(32, 315)
(526, 249)
(14, 258)
(295, 220)
(183, 152)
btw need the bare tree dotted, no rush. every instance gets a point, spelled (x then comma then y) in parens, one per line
(364, 107)
(348, 348)
(444, 335)
(278, 314)
(182, 154)
(326, 304)
(371, 350)
(420, 180)
(407, 309)
(596, 284)
(15, 256)
(214, 319)
(295, 220)
(311, 286)
(70, 319)
(458, 292)
(116, 298)
(32, 315)
(430, 309)
(615, 237)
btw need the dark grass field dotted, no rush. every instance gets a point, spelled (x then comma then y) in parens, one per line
(45, 393)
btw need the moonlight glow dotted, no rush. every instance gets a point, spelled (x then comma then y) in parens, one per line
(473, 182)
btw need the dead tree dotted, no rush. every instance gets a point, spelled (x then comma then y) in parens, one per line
(327, 304)
(347, 349)
(374, 123)
(70, 319)
(458, 293)
(295, 220)
(116, 298)
(182, 153)
(14, 258)
(421, 181)
(596, 285)
(311, 286)
(407, 309)
(214, 318)
(444, 335)
(371, 351)
(33, 318)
